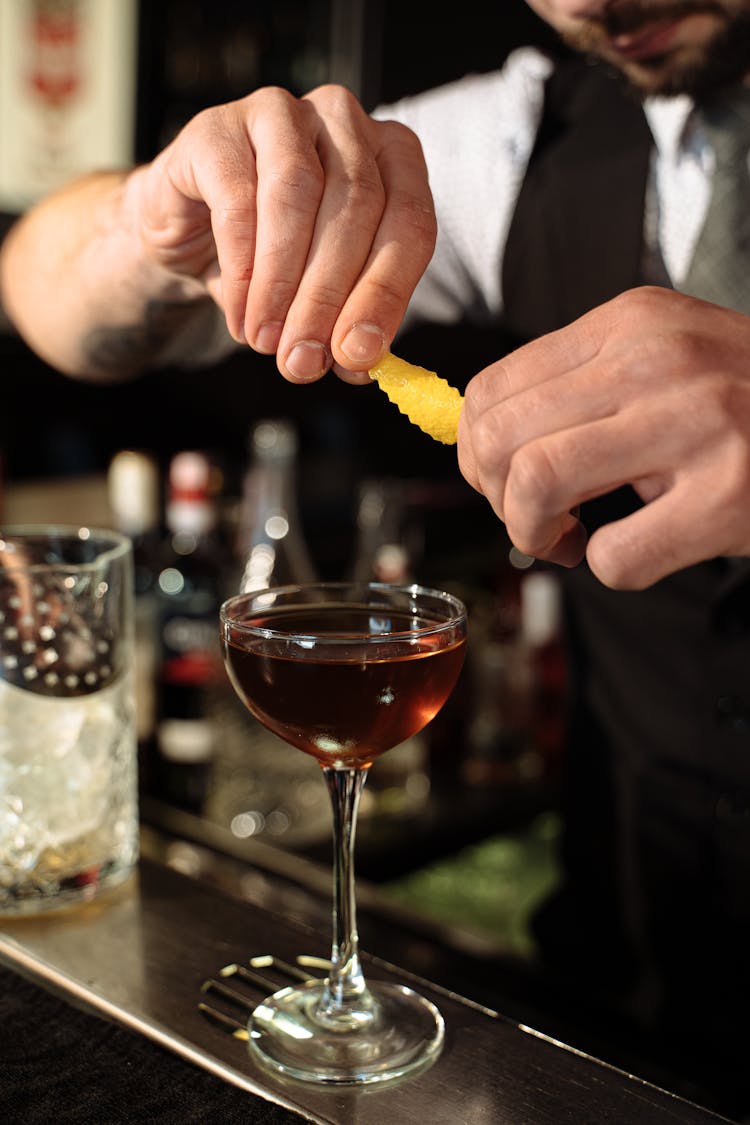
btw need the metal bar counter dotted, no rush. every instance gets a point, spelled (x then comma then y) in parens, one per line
(140, 956)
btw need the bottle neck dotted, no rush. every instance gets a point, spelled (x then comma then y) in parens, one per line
(270, 544)
(268, 501)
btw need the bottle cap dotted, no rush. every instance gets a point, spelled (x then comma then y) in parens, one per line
(190, 507)
(133, 488)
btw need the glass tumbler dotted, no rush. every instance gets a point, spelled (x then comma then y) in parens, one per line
(68, 759)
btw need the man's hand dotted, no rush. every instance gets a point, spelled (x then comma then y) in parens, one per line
(651, 389)
(309, 222)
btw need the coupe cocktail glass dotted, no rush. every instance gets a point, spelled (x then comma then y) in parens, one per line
(345, 672)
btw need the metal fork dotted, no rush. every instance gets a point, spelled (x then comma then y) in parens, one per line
(251, 977)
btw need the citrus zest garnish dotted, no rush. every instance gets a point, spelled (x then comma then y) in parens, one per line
(427, 400)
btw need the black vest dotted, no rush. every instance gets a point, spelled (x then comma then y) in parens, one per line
(576, 237)
(658, 795)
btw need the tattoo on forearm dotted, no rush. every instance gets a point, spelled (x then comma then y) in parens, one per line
(130, 348)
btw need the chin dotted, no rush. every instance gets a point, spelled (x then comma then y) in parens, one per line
(698, 70)
(662, 76)
(669, 81)
(715, 55)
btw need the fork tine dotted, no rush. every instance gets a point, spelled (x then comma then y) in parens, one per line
(248, 975)
(228, 993)
(226, 1023)
(267, 960)
(313, 962)
(298, 972)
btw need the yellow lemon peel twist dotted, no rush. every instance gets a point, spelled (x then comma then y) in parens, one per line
(427, 400)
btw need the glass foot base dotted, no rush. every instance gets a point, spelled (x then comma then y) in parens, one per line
(395, 1032)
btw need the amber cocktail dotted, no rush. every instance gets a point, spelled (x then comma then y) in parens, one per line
(345, 672)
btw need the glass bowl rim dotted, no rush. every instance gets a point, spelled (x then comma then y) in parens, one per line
(457, 620)
(113, 545)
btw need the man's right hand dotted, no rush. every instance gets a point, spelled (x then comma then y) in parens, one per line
(309, 222)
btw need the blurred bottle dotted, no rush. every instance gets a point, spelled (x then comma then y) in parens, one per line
(518, 680)
(497, 748)
(545, 654)
(260, 785)
(190, 588)
(381, 553)
(134, 499)
(399, 782)
(271, 547)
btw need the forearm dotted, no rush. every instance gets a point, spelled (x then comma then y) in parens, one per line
(80, 289)
(300, 226)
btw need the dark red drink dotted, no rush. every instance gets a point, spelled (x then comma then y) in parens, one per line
(343, 688)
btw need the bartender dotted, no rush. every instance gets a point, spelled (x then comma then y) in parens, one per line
(587, 206)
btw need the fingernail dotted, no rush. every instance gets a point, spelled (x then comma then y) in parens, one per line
(364, 343)
(307, 360)
(268, 336)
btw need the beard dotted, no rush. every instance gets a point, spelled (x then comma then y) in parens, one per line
(698, 69)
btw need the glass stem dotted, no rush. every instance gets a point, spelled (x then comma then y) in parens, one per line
(346, 988)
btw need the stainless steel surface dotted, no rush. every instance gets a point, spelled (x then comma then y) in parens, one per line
(141, 954)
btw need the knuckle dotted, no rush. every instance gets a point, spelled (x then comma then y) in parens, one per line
(488, 440)
(621, 563)
(396, 133)
(296, 183)
(325, 301)
(418, 215)
(274, 296)
(732, 484)
(726, 398)
(205, 121)
(385, 293)
(715, 413)
(398, 143)
(235, 216)
(486, 389)
(270, 95)
(533, 476)
(639, 301)
(611, 570)
(334, 98)
(362, 194)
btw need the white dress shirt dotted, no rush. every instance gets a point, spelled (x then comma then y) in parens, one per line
(478, 133)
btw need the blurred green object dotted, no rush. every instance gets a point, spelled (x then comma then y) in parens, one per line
(491, 889)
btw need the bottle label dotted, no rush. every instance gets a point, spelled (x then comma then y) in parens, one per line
(188, 741)
(191, 653)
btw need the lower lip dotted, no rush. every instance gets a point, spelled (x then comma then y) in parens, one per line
(654, 42)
